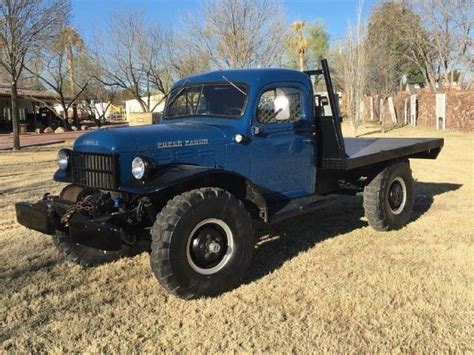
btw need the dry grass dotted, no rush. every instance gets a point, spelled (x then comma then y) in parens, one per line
(325, 281)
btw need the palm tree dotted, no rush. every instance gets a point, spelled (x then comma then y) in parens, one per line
(68, 41)
(298, 42)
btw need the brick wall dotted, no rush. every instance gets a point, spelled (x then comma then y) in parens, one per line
(459, 109)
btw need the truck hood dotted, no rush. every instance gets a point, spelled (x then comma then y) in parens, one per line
(152, 137)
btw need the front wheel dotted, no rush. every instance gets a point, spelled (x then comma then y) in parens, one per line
(87, 256)
(202, 243)
(389, 197)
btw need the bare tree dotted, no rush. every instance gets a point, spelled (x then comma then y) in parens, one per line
(353, 59)
(239, 33)
(450, 23)
(132, 57)
(183, 58)
(100, 99)
(25, 26)
(58, 72)
(443, 49)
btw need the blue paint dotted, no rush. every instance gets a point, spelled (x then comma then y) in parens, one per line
(281, 161)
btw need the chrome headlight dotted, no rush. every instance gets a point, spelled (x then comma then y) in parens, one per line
(142, 167)
(63, 159)
(138, 168)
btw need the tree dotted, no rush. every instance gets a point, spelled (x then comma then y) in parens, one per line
(100, 99)
(307, 44)
(352, 56)
(387, 46)
(298, 42)
(25, 26)
(59, 60)
(183, 58)
(239, 33)
(70, 41)
(132, 57)
(449, 24)
(435, 37)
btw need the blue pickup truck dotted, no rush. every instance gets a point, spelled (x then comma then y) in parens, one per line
(232, 147)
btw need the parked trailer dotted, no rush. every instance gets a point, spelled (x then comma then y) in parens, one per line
(232, 147)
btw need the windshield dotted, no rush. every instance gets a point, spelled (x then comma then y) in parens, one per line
(224, 100)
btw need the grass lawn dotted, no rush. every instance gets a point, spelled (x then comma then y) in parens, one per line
(320, 282)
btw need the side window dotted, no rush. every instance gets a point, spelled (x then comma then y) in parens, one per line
(280, 105)
(22, 112)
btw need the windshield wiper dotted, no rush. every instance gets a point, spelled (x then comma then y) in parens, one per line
(235, 86)
(170, 101)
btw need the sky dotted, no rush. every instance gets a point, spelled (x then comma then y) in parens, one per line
(90, 15)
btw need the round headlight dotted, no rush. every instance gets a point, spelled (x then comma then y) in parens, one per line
(63, 159)
(138, 168)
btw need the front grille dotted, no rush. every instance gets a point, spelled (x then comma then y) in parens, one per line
(95, 170)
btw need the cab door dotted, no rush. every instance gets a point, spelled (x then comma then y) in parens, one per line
(282, 144)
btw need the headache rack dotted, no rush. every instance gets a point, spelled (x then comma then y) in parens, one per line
(95, 170)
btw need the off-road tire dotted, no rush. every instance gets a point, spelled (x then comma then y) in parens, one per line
(87, 256)
(173, 230)
(377, 206)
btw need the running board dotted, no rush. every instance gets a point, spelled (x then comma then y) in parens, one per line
(280, 211)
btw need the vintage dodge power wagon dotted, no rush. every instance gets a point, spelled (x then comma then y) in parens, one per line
(232, 147)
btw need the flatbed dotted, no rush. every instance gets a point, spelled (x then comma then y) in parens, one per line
(361, 152)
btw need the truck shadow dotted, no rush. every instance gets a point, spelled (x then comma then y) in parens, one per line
(279, 243)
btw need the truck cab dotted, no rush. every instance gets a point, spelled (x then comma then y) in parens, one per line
(232, 147)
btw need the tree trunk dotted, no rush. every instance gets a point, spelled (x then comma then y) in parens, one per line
(66, 116)
(70, 64)
(301, 60)
(15, 115)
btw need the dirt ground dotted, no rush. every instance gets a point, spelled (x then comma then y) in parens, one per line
(321, 282)
(31, 139)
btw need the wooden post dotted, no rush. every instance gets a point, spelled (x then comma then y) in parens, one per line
(371, 104)
(413, 110)
(405, 112)
(391, 108)
(381, 110)
(441, 111)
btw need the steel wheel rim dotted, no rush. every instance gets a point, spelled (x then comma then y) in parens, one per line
(397, 195)
(220, 251)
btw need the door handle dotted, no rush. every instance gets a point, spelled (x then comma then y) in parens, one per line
(308, 140)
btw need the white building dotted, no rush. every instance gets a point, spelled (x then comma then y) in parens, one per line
(157, 104)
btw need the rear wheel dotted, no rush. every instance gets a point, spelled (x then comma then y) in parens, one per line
(202, 243)
(389, 197)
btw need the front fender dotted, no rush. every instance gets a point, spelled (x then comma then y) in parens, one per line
(62, 176)
(183, 177)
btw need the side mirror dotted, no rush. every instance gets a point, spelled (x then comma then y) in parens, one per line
(324, 101)
(282, 108)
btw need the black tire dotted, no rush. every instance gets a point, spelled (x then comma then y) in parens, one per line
(178, 231)
(87, 256)
(384, 207)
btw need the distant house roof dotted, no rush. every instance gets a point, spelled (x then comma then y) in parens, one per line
(5, 91)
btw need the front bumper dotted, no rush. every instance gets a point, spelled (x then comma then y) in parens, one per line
(39, 216)
(45, 216)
